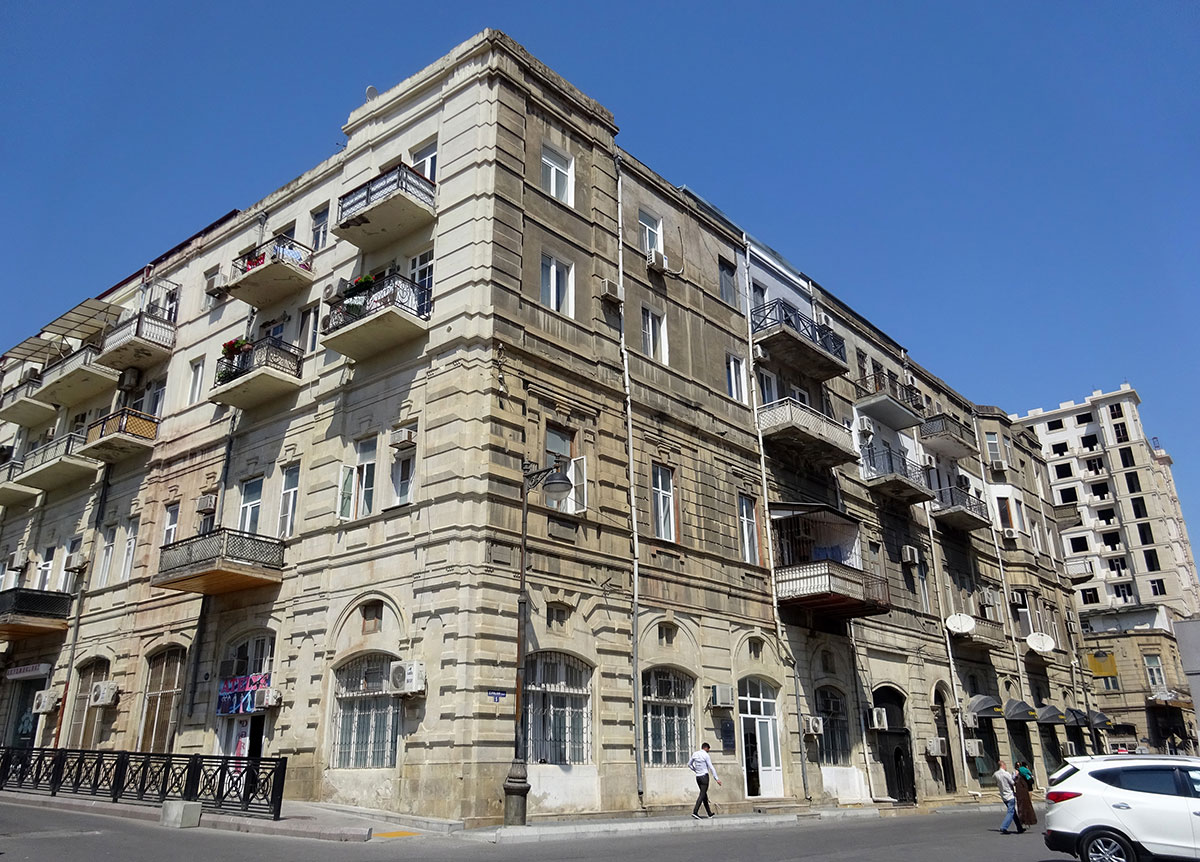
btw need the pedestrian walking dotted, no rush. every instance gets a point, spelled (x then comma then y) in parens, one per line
(701, 765)
(1022, 785)
(1004, 783)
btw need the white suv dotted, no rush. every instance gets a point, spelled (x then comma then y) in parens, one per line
(1125, 807)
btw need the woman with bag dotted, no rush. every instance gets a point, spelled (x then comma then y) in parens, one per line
(1026, 816)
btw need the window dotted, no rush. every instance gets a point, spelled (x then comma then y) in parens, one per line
(1054, 425)
(1133, 483)
(1154, 671)
(1120, 432)
(993, 445)
(556, 175)
(86, 723)
(171, 523)
(1115, 411)
(309, 329)
(754, 646)
(1094, 465)
(1145, 534)
(759, 296)
(1151, 556)
(320, 228)
(149, 398)
(1090, 442)
(666, 634)
(404, 466)
(250, 506)
(1069, 495)
(420, 269)
(164, 690)
(557, 292)
(289, 495)
(1109, 683)
(558, 708)
(651, 231)
(1123, 593)
(212, 281)
(108, 541)
(735, 378)
(654, 336)
(424, 161)
(1112, 540)
(1058, 449)
(1063, 470)
(557, 615)
(1090, 596)
(1118, 566)
(1106, 516)
(372, 616)
(1100, 489)
(252, 656)
(768, 386)
(748, 529)
(131, 531)
(560, 445)
(728, 276)
(358, 482)
(196, 381)
(1083, 418)
(663, 494)
(834, 744)
(1138, 506)
(365, 714)
(1004, 505)
(1158, 587)
(1126, 456)
(666, 717)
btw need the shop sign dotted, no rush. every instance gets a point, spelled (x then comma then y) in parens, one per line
(235, 694)
(28, 671)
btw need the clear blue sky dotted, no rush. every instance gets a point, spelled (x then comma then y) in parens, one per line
(1008, 189)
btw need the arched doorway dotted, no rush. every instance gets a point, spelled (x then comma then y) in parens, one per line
(942, 723)
(245, 668)
(895, 746)
(760, 737)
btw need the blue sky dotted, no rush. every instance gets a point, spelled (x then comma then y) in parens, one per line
(1008, 189)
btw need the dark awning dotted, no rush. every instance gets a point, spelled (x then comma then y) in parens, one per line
(985, 706)
(813, 511)
(1018, 710)
(1099, 719)
(1077, 717)
(1051, 715)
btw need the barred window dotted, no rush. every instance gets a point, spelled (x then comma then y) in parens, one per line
(164, 690)
(834, 744)
(365, 714)
(558, 708)
(85, 720)
(666, 717)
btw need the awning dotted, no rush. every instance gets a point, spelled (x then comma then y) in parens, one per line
(1051, 715)
(84, 320)
(1018, 710)
(820, 512)
(985, 706)
(37, 349)
(1099, 719)
(1077, 717)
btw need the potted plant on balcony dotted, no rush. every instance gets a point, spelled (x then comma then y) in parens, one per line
(235, 347)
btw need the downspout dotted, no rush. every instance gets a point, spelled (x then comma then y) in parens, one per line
(631, 467)
(780, 639)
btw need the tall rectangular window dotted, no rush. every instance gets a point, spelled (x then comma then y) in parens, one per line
(131, 536)
(663, 500)
(654, 335)
(556, 175)
(1115, 411)
(424, 161)
(196, 381)
(170, 523)
(108, 541)
(557, 292)
(1133, 483)
(993, 445)
(358, 482)
(403, 469)
(1120, 432)
(1151, 556)
(735, 378)
(1123, 593)
(728, 276)
(748, 529)
(651, 231)
(1154, 671)
(1158, 587)
(420, 269)
(212, 281)
(1146, 533)
(251, 505)
(289, 496)
(560, 445)
(1138, 506)
(320, 228)
(1126, 456)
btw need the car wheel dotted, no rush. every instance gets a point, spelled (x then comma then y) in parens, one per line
(1106, 847)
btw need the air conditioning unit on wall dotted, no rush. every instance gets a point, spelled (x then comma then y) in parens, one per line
(974, 747)
(45, 701)
(877, 719)
(103, 694)
(721, 697)
(407, 677)
(910, 555)
(612, 290)
(970, 719)
(814, 725)
(937, 746)
(266, 698)
(206, 504)
(656, 261)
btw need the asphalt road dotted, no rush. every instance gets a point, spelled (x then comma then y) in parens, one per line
(44, 835)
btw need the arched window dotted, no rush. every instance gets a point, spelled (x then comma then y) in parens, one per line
(558, 708)
(834, 744)
(666, 717)
(365, 714)
(164, 691)
(85, 720)
(246, 667)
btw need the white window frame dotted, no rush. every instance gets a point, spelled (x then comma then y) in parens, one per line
(420, 268)
(662, 492)
(558, 285)
(250, 504)
(289, 497)
(558, 175)
(357, 492)
(170, 523)
(108, 543)
(196, 383)
(654, 335)
(650, 231)
(768, 386)
(424, 160)
(45, 569)
(735, 377)
(748, 529)
(131, 536)
(1154, 671)
(310, 329)
(667, 701)
(320, 228)
(404, 474)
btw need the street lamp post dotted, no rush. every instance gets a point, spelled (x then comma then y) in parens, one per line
(556, 486)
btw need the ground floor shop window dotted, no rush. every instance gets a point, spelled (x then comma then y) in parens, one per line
(366, 715)
(558, 708)
(667, 717)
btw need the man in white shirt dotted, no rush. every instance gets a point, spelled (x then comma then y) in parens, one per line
(701, 765)
(1004, 783)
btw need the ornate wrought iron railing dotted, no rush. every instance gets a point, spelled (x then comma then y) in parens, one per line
(905, 393)
(82, 357)
(124, 421)
(264, 353)
(142, 325)
(222, 543)
(884, 462)
(950, 498)
(943, 424)
(821, 577)
(394, 291)
(400, 178)
(56, 448)
(777, 312)
(229, 785)
(35, 603)
(280, 248)
(21, 390)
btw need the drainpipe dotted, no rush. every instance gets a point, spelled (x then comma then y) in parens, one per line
(631, 467)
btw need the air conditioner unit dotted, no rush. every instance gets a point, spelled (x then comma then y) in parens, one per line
(129, 379)
(963, 482)
(103, 694)
(612, 290)
(970, 719)
(403, 438)
(823, 319)
(760, 353)
(206, 504)
(217, 289)
(999, 466)
(76, 562)
(45, 701)
(1018, 599)
(267, 698)
(910, 555)
(30, 374)
(930, 461)
(974, 747)
(877, 718)
(335, 293)
(406, 677)
(656, 261)
(865, 426)
(937, 746)
(1010, 533)
(721, 696)
(814, 725)
(325, 321)
(1072, 626)
(1072, 748)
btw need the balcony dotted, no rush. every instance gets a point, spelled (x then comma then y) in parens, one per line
(22, 405)
(1067, 515)
(76, 378)
(26, 613)
(821, 440)
(833, 589)
(385, 209)
(13, 492)
(1079, 571)
(142, 341)
(272, 272)
(262, 371)
(946, 436)
(954, 507)
(792, 339)
(221, 561)
(987, 634)
(885, 399)
(120, 435)
(891, 474)
(57, 463)
(390, 312)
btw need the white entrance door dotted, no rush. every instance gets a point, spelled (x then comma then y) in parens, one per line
(762, 765)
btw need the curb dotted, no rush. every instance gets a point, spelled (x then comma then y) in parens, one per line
(534, 834)
(416, 821)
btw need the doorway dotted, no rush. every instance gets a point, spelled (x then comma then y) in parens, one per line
(243, 734)
(942, 724)
(895, 746)
(23, 730)
(760, 738)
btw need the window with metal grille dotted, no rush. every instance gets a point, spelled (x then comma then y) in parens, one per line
(666, 717)
(558, 708)
(85, 720)
(833, 744)
(365, 715)
(164, 690)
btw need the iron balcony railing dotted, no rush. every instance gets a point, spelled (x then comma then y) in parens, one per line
(21, 390)
(144, 325)
(905, 393)
(10, 471)
(393, 291)
(264, 353)
(399, 178)
(886, 462)
(789, 410)
(944, 424)
(81, 358)
(57, 448)
(124, 421)
(229, 785)
(280, 248)
(35, 603)
(819, 577)
(222, 544)
(950, 498)
(777, 312)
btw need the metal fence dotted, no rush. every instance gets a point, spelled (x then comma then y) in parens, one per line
(279, 248)
(230, 785)
(81, 358)
(884, 462)
(400, 178)
(10, 471)
(142, 325)
(777, 312)
(264, 353)
(57, 448)
(949, 498)
(35, 603)
(124, 421)
(222, 543)
(825, 577)
(880, 381)
(789, 411)
(21, 390)
(394, 291)
(945, 425)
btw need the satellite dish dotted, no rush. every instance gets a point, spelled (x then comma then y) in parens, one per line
(371, 92)
(1040, 642)
(960, 624)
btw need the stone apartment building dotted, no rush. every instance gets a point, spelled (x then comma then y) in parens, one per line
(1130, 559)
(287, 458)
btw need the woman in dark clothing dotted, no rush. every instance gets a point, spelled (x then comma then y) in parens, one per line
(1026, 816)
